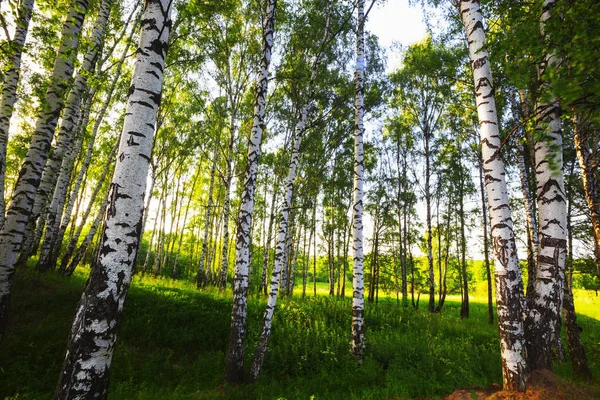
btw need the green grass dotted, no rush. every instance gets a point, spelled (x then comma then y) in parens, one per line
(173, 341)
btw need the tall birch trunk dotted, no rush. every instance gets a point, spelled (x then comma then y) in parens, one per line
(54, 235)
(234, 371)
(544, 317)
(509, 285)
(24, 193)
(357, 341)
(94, 332)
(64, 141)
(73, 241)
(9, 89)
(227, 206)
(202, 270)
(279, 256)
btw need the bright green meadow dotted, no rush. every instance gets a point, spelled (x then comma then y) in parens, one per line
(173, 340)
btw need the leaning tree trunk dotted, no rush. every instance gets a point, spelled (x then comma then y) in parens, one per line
(64, 141)
(9, 89)
(54, 235)
(234, 371)
(279, 255)
(509, 285)
(94, 332)
(70, 264)
(17, 216)
(544, 317)
(357, 340)
(73, 241)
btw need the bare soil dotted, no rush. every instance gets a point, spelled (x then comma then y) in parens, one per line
(543, 385)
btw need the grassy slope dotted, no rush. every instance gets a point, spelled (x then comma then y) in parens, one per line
(173, 340)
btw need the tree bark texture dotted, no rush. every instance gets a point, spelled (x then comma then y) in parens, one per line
(17, 216)
(234, 371)
(544, 315)
(357, 341)
(9, 89)
(94, 332)
(57, 190)
(509, 285)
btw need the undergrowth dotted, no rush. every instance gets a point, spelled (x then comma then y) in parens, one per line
(173, 341)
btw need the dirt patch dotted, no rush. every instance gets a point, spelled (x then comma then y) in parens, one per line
(543, 385)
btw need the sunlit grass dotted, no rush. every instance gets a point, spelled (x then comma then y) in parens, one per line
(173, 342)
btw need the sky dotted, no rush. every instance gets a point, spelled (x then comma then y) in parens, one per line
(395, 22)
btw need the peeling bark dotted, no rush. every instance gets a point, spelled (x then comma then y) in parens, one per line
(509, 285)
(94, 331)
(543, 321)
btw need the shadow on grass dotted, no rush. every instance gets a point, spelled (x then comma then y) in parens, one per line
(173, 341)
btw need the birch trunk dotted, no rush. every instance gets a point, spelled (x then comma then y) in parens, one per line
(279, 256)
(54, 236)
(509, 285)
(9, 89)
(17, 216)
(90, 147)
(64, 143)
(234, 371)
(201, 274)
(544, 316)
(71, 264)
(94, 332)
(357, 341)
(73, 241)
(226, 208)
(267, 254)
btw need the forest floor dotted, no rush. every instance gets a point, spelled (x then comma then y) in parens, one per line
(173, 341)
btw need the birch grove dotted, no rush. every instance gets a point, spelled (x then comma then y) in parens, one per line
(247, 169)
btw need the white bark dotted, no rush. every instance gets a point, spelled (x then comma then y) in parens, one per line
(544, 318)
(279, 251)
(509, 285)
(49, 188)
(9, 89)
(17, 216)
(201, 274)
(94, 331)
(357, 341)
(73, 241)
(235, 358)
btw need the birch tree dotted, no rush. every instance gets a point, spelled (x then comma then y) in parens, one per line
(357, 341)
(64, 147)
(509, 285)
(24, 193)
(85, 370)
(234, 371)
(544, 315)
(9, 89)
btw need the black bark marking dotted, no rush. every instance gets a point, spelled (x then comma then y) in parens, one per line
(131, 142)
